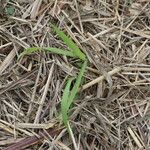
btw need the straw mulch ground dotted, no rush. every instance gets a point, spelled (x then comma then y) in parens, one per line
(112, 113)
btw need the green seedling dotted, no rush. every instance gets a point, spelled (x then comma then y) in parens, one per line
(69, 94)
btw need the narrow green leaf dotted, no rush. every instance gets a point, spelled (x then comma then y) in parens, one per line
(64, 102)
(59, 51)
(29, 51)
(51, 49)
(68, 96)
(72, 46)
(77, 84)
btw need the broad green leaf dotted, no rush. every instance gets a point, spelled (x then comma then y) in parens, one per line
(64, 102)
(72, 46)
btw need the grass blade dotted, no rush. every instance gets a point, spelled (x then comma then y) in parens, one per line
(77, 84)
(51, 49)
(69, 96)
(72, 46)
(64, 102)
(59, 51)
(29, 51)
